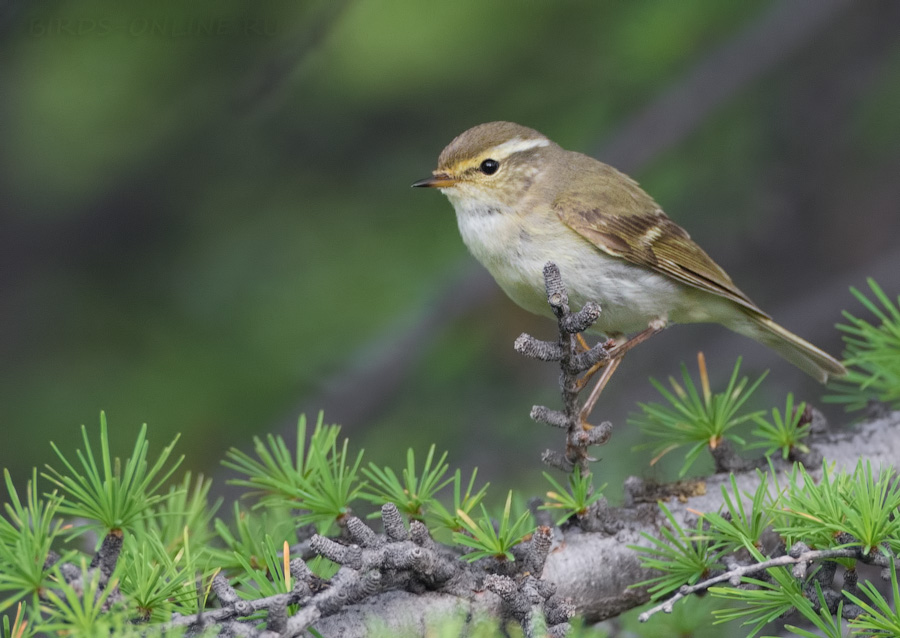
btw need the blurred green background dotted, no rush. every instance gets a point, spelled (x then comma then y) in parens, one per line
(207, 223)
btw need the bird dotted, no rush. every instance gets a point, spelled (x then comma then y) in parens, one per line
(521, 201)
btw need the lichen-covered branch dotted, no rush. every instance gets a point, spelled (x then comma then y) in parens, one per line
(572, 362)
(376, 567)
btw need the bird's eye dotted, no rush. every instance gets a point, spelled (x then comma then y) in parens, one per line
(489, 166)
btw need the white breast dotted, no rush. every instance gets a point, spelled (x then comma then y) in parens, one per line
(515, 254)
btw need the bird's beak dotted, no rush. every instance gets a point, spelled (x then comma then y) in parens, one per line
(438, 180)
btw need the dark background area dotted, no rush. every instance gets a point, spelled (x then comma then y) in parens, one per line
(207, 223)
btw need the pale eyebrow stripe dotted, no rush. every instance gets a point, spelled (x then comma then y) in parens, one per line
(517, 145)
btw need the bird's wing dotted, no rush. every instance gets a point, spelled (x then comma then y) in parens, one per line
(625, 222)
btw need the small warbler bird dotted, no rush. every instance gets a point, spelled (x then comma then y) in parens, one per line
(521, 200)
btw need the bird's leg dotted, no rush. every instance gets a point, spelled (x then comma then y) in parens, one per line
(616, 354)
(611, 365)
(581, 342)
(654, 327)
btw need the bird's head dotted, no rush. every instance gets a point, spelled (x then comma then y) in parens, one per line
(493, 164)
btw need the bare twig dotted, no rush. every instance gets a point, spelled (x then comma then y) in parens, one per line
(801, 557)
(572, 362)
(108, 554)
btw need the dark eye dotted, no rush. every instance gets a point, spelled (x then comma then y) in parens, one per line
(489, 166)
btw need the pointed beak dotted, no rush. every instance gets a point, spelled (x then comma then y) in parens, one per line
(440, 180)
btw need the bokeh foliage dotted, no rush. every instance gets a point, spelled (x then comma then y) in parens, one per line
(207, 221)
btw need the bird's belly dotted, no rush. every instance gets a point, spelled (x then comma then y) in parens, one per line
(630, 297)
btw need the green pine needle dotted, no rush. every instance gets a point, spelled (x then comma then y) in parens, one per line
(681, 556)
(871, 354)
(784, 432)
(319, 480)
(699, 419)
(880, 617)
(488, 541)
(113, 498)
(27, 535)
(574, 500)
(463, 501)
(414, 493)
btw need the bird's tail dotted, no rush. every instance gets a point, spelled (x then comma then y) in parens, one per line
(814, 362)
